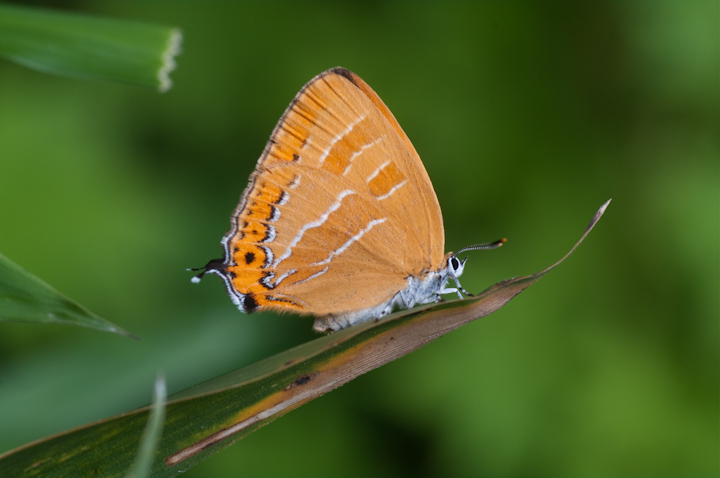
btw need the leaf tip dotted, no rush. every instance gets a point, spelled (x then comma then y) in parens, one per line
(118, 330)
(601, 211)
(598, 215)
(172, 49)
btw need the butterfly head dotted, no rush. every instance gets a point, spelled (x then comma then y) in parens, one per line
(455, 266)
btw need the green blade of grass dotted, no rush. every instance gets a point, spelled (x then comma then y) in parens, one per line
(25, 298)
(89, 47)
(148, 444)
(211, 416)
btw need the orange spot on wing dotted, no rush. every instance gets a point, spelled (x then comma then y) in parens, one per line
(388, 177)
(302, 115)
(293, 133)
(268, 192)
(338, 159)
(253, 231)
(248, 255)
(261, 211)
(246, 279)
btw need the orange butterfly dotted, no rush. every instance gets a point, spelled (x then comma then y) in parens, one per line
(340, 219)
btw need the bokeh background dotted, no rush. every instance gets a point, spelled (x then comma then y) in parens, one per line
(528, 116)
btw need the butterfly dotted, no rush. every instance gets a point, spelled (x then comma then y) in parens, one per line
(339, 219)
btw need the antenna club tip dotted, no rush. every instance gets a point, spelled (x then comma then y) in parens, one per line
(477, 247)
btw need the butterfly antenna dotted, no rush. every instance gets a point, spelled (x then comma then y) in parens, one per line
(477, 247)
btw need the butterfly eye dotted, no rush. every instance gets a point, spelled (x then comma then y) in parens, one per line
(454, 263)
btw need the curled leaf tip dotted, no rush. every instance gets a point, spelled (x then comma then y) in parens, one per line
(168, 59)
(599, 213)
(589, 228)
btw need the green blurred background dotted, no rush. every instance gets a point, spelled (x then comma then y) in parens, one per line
(527, 115)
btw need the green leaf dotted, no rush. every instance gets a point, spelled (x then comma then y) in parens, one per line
(25, 298)
(148, 445)
(211, 416)
(89, 47)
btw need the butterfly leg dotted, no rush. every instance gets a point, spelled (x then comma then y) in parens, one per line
(460, 288)
(450, 290)
(431, 300)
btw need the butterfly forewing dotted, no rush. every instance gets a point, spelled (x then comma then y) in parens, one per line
(339, 211)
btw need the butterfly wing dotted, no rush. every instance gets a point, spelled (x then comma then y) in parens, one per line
(339, 211)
